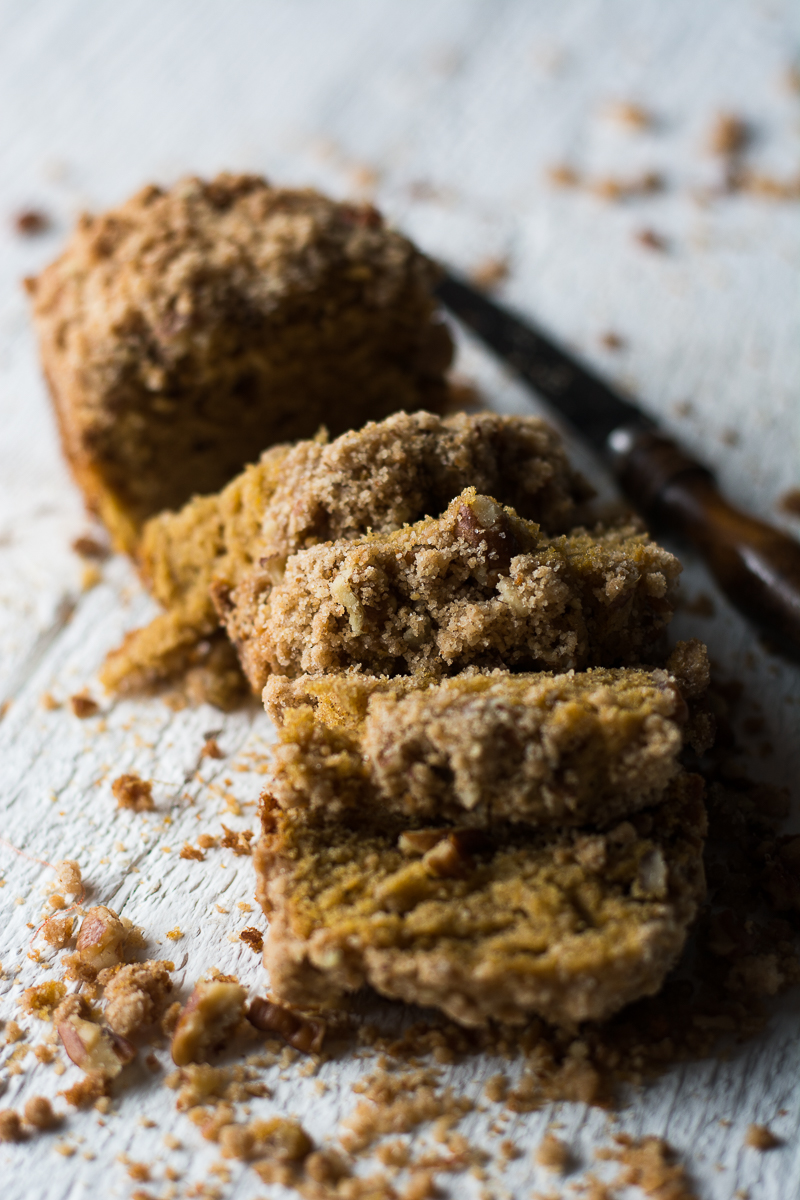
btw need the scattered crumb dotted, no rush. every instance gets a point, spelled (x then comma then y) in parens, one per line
(490, 273)
(553, 1154)
(189, 851)
(625, 112)
(14, 1033)
(69, 878)
(41, 1000)
(651, 240)
(48, 702)
(237, 840)
(30, 222)
(206, 841)
(684, 408)
(789, 502)
(611, 188)
(131, 791)
(612, 341)
(10, 1126)
(89, 547)
(38, 1112)
(730, 437)
(729, 135)
(759, 1137)
(175, 934)
(563, 175)
(253, 938)
(211, 749)
(83, 705)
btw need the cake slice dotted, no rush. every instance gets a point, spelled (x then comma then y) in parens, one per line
(569, 926)
(190, 328)
(379, 477)
(477, 750)
(478, 586)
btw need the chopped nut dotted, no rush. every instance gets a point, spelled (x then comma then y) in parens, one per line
(39, 1113)
(300, 1032)
(253, 938)
(10, 1126)
(96, 1050)
(210, 1015)
(101, 939)
(83, 705)
(131, 791)
(761, 1138)
(136, 996)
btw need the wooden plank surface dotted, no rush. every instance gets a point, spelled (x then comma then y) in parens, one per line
(449, 112)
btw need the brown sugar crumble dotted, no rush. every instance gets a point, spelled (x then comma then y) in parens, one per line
(133, 792)
(759, 1137)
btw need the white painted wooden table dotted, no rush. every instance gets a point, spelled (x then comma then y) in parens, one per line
(450, 111)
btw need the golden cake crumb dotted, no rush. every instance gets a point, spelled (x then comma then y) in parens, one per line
(553, 1154)
(131, 791)
(760, 1137)
(38, 1112)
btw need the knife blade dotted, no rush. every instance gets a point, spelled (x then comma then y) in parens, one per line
(756, 565)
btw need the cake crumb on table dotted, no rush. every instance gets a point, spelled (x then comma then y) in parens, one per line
(553, 1154)
(133, 792)
(83, 706)
(760, 1137)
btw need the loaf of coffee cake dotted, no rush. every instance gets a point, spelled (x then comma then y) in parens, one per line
(187, 330)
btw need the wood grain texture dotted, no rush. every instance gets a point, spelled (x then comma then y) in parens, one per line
(449, 112)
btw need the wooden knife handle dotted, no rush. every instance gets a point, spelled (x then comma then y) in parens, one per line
(756, 565)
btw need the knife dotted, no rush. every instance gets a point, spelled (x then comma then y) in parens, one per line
(756, 565)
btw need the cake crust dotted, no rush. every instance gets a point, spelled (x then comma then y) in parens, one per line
(190, 328)
(570, 926)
